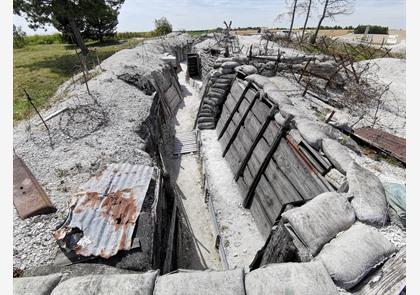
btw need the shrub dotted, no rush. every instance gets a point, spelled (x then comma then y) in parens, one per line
(360, 29)
(18, 37)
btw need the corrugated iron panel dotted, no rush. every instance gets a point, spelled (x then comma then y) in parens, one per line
(103, 216)
(388, 143)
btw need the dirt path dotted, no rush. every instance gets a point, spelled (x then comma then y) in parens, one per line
(186, 172)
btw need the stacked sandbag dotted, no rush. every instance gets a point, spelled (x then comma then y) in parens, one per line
(337, 154)
(369, 198)
(318, 221)
(276, 95)
(355, 253)
(211, 107)
(39, 285)
(258, 80)
(290, 278)
(127, 284)
(230, 282)
(395, 195)
(314, 132)
(246, 70)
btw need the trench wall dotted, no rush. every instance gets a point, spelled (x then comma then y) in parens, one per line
(269, 168)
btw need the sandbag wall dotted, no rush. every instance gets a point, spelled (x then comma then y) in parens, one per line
(268, 167)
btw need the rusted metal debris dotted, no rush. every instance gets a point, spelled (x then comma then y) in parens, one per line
(29, 197)
(387, 143)
(103, 215)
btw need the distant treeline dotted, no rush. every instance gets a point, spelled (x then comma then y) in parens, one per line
(360, 29)
(57, 38)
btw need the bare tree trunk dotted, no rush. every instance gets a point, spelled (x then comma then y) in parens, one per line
(293, 19)
(79, 40)
(308, 12)
(313, 40)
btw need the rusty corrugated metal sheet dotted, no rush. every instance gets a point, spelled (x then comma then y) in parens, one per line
(28, 196)
(103, 215)
(386, 142)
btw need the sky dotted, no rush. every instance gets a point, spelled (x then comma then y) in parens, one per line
(138, 15)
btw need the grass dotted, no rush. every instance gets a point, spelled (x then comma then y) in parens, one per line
(41, 69)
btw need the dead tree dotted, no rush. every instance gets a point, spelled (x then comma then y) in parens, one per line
(293, 12)
(307, 7)
(330, 10)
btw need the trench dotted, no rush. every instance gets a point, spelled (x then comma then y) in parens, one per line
(185, 174)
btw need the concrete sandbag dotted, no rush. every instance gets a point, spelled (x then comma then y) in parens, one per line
(337, 154)
(291, 279)
(318, 221)
(210, 101)
(259, 80)
(203, 119)
(231, 65)
(313, 132)
(369, 198)
(40, 285)
(218, 95)
(287, 109)
(209, 125)
(127, 284)
(183, 282)
(354, 253)
(246, 69)
(270, 87)
(278, 97)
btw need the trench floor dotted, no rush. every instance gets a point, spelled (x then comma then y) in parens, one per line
(186, 172)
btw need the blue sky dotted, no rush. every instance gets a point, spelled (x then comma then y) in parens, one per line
(138, 15)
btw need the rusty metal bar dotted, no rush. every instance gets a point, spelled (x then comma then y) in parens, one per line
(235, 109)
(280, 133)
(269, 118)
(29, 197)
(235, 133)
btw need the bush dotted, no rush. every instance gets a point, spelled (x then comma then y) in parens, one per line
(18, 37)
(360, 29)
(45, 39)
(162, 27)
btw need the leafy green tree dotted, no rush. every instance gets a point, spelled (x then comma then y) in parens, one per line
(19, 35)
(162, 26)
(77, 18)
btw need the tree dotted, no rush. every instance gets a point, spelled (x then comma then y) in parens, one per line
(293, 12)
(18, 37)
(162, 26)
(330, 10)
(71, 17)
(307, 7)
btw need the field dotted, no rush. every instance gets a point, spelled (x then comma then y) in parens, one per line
(41, 69)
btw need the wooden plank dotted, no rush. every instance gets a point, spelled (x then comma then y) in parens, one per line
(257, 138)
(252, 125)
(281, 132)
(243, 107)
(279, 248)
(244, 138)
(233, 158)
(248, 177)
(268, 199)
(296, 172)
(243, 188)
(270, 132)
(285, 191)
(230, 103)
(261, 111)
(389, 279)
(263, 223)
(240, 123)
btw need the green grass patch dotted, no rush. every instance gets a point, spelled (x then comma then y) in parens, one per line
(41, 69)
